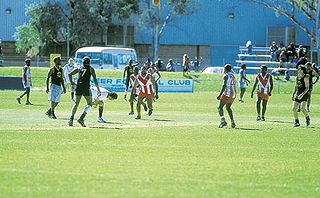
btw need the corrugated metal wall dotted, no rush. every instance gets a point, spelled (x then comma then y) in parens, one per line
(221, 24)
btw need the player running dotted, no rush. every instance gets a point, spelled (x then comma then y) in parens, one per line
(264, 82)
(98, 100)
(155, 72)
(135, 92)
(146, 83)
(227, 96)
(300, 95)
(243, 81)
(26, 82)
(83, 89)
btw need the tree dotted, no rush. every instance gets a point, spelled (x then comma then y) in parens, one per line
(84, 21)
(156, 18)
(41, 31)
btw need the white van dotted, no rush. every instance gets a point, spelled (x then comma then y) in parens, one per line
(106, 57)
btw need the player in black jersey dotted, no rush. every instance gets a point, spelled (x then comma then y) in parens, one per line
(83, 88)
(55, 73)
(313, 72)
(300, 95)
(128, 70)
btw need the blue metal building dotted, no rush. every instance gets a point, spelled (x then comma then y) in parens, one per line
(221, 25)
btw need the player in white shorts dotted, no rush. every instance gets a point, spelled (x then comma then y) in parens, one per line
(98, 100)
(66, 70)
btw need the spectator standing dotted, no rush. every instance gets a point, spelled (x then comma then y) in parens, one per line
(249, 46)
(185, 63)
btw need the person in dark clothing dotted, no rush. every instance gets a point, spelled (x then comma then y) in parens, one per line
(300, 95)
(55, 73)
(313, 73)
(83, 89)
(128, 70)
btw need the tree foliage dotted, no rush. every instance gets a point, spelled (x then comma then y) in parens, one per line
(86, 20)
(41, 31)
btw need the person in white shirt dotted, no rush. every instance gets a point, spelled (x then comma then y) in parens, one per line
(98, 100)
(69, 67)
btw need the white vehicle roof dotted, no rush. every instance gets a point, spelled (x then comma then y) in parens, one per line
(100, 49)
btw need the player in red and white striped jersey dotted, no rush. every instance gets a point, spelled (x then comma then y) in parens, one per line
(227, 96)
(265, 85)
(146, 83)
(136, 91)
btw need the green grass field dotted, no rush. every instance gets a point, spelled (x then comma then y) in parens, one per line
(179, 151)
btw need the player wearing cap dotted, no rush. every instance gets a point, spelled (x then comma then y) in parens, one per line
(264, 82)
(227, 96)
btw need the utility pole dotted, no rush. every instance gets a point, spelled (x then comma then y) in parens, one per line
(317, 32)
(156, 31)
(68, 40)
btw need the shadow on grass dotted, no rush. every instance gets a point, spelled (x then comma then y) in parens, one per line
(247, 129)
(192, 77)
(163, 120)
(280, 121)
(104, 127)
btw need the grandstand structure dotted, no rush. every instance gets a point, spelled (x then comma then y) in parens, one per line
(261, 56)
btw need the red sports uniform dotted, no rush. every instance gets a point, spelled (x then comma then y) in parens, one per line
(146, 86)
(229, 93)
(263, 86)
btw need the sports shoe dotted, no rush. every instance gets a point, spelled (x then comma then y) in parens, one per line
(296, 124)
(308, 122)
(138, 117)
(19, 100)
(131, 113)
(233, 125)
(48, 113)
(150, 112)
(157, 97)
(81, 122)
(258, 118)
(222, 124)
(28, 103)
(53, 116)
(101, 120)
(71, 122)
(241, 100)
(263, 119)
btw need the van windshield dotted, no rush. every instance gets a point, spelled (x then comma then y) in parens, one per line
(124, 58)
(107, 58)
(94, 56)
